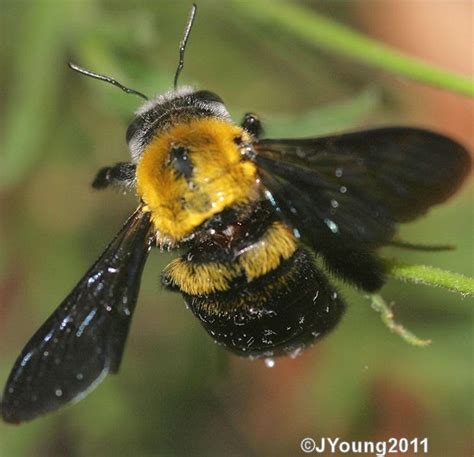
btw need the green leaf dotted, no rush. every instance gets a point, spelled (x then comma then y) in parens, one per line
(327, 119)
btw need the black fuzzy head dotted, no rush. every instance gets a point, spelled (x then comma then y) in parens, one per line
(173, 107)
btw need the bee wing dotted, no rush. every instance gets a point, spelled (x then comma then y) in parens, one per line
(345, 193)
(84, 338)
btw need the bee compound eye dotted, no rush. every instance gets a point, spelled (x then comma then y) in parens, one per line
(133, 128)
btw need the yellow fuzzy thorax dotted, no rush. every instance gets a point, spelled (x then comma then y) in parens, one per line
(220, 177)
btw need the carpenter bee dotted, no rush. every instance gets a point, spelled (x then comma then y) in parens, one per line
(250, 217)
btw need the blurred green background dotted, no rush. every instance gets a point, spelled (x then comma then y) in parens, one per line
(178, 393)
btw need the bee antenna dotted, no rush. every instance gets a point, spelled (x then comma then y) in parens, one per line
(184, 41)
(107, 79)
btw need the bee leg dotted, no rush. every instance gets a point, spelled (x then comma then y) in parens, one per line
(252, 123)
(121, 174)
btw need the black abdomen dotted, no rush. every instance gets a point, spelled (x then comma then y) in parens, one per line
(255, 289)
(279, 313)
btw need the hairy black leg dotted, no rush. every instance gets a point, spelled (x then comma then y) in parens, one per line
(252, 123)
(121, 174)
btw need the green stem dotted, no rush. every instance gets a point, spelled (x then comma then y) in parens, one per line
(332, 36)
(387, 316)
(431, 276)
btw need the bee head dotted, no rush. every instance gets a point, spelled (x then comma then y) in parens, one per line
(175, 106)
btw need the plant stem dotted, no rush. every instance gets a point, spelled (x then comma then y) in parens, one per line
(387, 316)
(332, 36)
(431, 276)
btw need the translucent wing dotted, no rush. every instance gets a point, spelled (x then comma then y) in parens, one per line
(345, 193)
(84, 338)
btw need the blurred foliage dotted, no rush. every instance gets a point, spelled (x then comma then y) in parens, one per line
(323, 32)
(177, 393)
